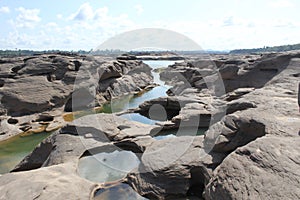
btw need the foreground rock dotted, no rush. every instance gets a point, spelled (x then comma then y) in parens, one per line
(267, 168)
(88, 132)
(173, 168)
(56, 182)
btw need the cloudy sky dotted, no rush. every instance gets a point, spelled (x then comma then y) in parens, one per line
(213, 24)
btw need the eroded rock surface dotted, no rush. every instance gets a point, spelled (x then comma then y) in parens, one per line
(267, 168)
(251, 150)
(55, 182)
(52, 83)
(169, 167)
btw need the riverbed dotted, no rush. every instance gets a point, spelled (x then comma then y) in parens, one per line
(13, 150)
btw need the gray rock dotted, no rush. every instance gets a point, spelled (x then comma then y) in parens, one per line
(88, 132)
(232, 132)
(55, 182)
(32, 94)
(239, 105)
(193, 115)
(228, 71)
(267, 168)
(174, 167)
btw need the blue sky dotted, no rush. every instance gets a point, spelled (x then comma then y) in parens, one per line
(213, 24)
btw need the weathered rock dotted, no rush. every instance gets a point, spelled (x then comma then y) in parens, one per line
(170, 168)
(236, 94)
(87, 132)
(232, 132)
(239, 105)
(40, 83)
(80, 99)
(7, 130)
(170, 105)
(193, 115)
(259, 134)
(55, 182)
(267, 168)
(32, 94)
(228, 71)
(136, 145)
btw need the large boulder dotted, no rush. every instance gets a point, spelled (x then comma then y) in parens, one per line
(233, 131)
(33, 94)
(173, 168)
(267, 168)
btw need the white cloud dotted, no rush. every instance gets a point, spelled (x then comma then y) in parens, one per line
(101, 13)
(139, 9)
(95, 26)
(239, 32)
(4, 9)
(51, 25)
(27, 17)
(281, 4)
(85, 12)
(59, 16)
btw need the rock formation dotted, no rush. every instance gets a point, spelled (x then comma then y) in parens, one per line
(250, 150)
(47, 84)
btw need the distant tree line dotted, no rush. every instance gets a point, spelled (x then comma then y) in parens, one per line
(267, 49)
(20, 52)
(109, 52)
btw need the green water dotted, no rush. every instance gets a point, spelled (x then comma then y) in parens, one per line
(13, 150)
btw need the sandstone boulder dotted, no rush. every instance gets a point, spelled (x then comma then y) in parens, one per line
(267, 168)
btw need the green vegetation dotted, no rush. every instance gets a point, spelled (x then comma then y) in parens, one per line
(267, 49)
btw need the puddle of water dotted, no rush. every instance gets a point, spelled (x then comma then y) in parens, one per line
(13, 150)
(118, 192)
(107, 167)
(161, 137)
(181, 132)
(138, 118)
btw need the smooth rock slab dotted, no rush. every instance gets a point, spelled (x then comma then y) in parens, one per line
(58, 182)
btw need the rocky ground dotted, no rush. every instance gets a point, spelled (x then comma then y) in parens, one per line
(36, 90)
(248, 103)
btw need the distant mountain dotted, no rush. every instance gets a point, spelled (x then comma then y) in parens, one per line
(267, 49)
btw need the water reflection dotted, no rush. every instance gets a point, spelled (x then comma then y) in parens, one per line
(118, 192)
(107, 167)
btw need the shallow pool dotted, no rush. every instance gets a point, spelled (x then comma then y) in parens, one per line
(13, 150)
